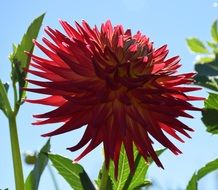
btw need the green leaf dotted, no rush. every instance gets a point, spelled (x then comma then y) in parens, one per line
(32, 181)
(205, 59)
(21, 60)
(212, 45)
(207, 82)
(193, 183)
(109, 185)
(208, 168)
(207, 74)
(196, 45)
(5, 88)
(125, 179)
(74, 174)
(214, 31)
(210, 113)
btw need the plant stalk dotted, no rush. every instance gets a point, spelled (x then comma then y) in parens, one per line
(15, 148)
(53, 177)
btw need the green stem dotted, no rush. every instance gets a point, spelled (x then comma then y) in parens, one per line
(16, 107)
(18, 171)
(17, 164)
(53, 177)
(104, 178)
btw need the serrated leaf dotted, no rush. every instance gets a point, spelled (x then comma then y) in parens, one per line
(196, 45)
(125, 180)
(108, 185)
(210, 113)
(208, 168)
(19, 59)
(214, 31)
(138, 180)
(74, 174)
(32, 181)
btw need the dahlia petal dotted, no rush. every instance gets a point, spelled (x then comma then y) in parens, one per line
(186, 89)
(143, 143)
(160, 50)
(100, 114)
(49, 44)
(77, 68)
(48, 91)
(72, 33)
(157, 67)
(172, 61)
(45, 75)
(158, 134)
(84, 140)
(174, 123)
(88, 100)
(170, 131)
(62, 72)
(119, 117)
(70, 125)
(133, 48)
(96, 140)
(128, 144)
(155, 131)
(49, 53)
(70, 86)
(54, 36)
(51, 120)
(108, 152)
(120, 41)
(160, 58)
(51, 100)
(194, 98)
(172, 111)
(89, 30)
(116, 156)
(64, 109)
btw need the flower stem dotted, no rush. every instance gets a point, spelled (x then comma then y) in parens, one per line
(104, 178)
(18, 171)
(53, 177)
(17, 164)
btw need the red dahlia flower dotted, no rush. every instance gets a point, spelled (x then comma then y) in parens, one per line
(117, 84)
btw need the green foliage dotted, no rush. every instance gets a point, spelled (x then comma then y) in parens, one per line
(19, 59)
(207, 65)
(99, 181)
(208, 168)
(210, 113)
(196, 45)
(207, 75)
(214, 31)
(127, 181)
(74, 174)
(5, 87)
(32, 181)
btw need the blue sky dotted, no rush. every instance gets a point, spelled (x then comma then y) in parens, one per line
(165, 22)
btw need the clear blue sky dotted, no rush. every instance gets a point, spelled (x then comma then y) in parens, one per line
(164, 22)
